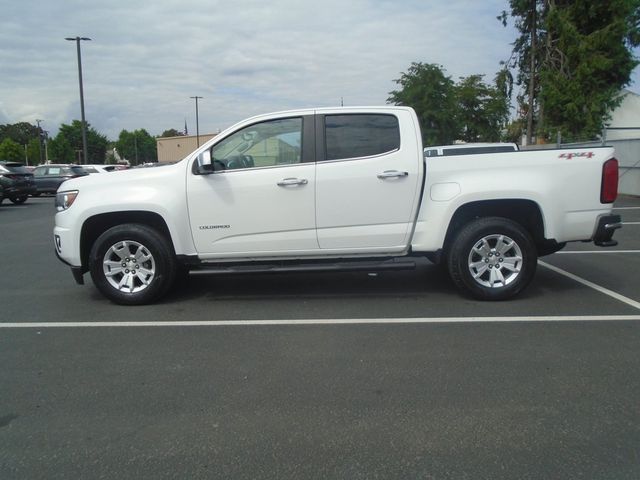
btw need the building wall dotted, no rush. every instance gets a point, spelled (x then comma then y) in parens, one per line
(172, 149)
(627, 116)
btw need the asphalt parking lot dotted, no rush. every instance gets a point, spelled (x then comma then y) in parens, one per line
(348, 375)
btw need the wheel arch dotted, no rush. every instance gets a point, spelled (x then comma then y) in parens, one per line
(522, 211)
(96, 225)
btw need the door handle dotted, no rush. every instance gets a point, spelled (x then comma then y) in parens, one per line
(287, 182)
(392, 174)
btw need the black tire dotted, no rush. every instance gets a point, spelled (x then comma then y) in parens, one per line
(19, 199)
(37, 194)
(137, 247)
(492, 258)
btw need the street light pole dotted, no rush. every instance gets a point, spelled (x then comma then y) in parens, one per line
(46, 148)
(84, 123)
(39, 139)
(197, 124)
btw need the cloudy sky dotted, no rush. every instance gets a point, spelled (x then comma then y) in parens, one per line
(244, 57)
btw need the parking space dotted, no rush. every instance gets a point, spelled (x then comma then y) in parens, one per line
(617, 268)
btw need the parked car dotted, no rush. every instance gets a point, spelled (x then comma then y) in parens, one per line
(99, 168)
(328, 190)
(17, 182)
(469, 149)
(49, 177)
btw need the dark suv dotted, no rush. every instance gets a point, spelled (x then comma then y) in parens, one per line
(17, 182)
(49, 177)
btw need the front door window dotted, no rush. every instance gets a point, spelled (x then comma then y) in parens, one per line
(266, 144)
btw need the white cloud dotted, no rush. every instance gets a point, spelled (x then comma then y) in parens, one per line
(244, 57)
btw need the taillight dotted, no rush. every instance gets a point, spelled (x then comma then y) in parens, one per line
(609, 188)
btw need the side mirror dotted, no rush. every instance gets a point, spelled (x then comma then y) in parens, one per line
(204, 164)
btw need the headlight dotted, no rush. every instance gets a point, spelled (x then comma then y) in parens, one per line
(65, 199)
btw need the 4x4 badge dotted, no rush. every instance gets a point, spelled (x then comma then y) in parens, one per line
(570, 155)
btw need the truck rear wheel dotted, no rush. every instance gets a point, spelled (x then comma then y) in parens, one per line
(132, 264)
(492, 258)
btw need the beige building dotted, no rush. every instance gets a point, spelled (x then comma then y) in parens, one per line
(172, 149)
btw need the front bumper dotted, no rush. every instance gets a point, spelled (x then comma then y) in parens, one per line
(607, 225)
(77, 272)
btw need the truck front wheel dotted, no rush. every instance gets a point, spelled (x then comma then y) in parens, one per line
(132, 264)
(492, 258)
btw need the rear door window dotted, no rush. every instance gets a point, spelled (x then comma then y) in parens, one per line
(360, 135)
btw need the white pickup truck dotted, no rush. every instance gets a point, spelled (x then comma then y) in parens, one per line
(329, 190)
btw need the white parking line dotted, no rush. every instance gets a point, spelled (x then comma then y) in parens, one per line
(597, 251)
(589, 284)
(630, 223)
(626, 208)
(328, 321)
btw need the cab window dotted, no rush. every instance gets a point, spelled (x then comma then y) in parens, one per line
(265, 144)
(360, 135)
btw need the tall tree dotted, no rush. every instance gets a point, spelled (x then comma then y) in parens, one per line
(62, 151)
(470, 110)
(34, 149)
(526, 58)
(25, 134)
(573, 57)
(11, 151)
(588, 61)
(430, 92)
(67, 145)
(20, 132)
(482, 110)
(172, 132)
(138, 146)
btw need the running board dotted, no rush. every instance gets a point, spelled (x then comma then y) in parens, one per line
(289, 267)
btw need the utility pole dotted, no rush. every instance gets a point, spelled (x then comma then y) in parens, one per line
(46, 149)
(39, 139)
(197, 122)
(84, 123)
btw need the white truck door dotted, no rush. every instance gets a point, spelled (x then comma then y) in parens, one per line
(368, 177)
(261, 199)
